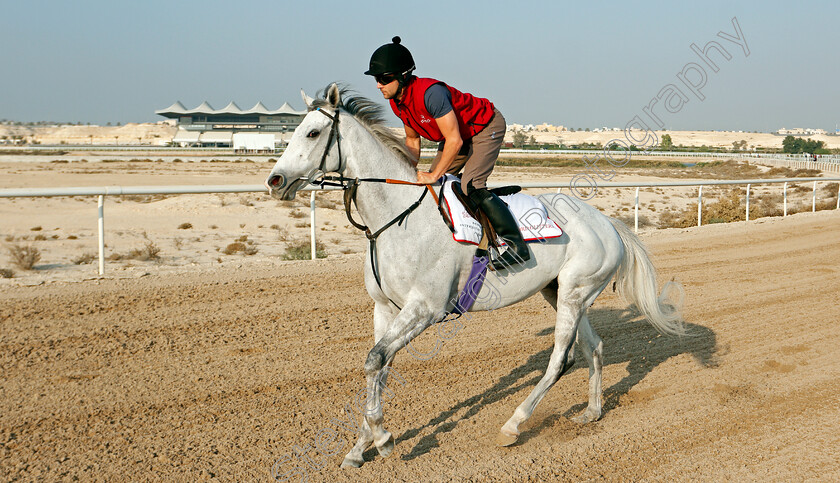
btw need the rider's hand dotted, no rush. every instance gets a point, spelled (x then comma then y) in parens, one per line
(426, 178)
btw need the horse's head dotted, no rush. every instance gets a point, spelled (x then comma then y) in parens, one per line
(310, 152)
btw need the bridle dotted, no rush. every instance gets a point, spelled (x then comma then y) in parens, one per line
(333, 136)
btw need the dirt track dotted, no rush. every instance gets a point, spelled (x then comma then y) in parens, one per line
(219, 374)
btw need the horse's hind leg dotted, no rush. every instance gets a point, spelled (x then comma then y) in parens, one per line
(562, 358)
(593, 350)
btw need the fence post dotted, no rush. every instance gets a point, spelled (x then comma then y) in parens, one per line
(637, 210)
(700, 206)
(312, 225)
(748, 202)
(101, 206)
(785, 202)
(838, 198)
(814, 199)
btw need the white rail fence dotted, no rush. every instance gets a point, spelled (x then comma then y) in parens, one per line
(102, 192)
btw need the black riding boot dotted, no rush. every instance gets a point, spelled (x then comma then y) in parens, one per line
(506, 227)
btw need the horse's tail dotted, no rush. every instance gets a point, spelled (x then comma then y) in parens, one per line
(636, 279)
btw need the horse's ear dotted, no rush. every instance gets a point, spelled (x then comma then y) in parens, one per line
(333, 95)
(306, 99)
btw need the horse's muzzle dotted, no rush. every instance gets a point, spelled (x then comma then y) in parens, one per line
(275, 183)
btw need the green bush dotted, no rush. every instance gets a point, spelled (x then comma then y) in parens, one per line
(301, 250)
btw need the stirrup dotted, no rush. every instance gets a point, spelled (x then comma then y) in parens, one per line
(508, 259)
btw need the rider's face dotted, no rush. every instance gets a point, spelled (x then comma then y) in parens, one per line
(389, 90)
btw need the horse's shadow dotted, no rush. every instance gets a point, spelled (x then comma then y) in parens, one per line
(627, 339)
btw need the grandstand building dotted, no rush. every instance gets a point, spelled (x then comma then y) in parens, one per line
(254, 130)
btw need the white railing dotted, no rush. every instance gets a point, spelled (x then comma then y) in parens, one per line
(102, 192)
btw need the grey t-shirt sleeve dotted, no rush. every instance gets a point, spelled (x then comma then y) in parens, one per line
(438, 100)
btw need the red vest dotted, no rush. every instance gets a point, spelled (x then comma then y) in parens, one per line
(473, 113)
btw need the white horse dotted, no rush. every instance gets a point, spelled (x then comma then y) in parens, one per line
(421, 268)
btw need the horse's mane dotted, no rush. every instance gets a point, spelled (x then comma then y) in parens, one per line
(370, 115)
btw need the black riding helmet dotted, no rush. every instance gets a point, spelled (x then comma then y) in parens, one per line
(391, 58)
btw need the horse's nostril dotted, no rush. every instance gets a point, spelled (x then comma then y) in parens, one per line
(276, 181)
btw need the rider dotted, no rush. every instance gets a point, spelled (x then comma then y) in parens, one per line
(470, 132)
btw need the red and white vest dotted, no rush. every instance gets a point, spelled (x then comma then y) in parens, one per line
(473, 113)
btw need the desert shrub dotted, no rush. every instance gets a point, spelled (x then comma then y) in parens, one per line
(36, 228)
(296, 213)
(185, 226)
(6, 273)
(302, 250)
(830, 189)
(677, 219)
(728, 208)
(322, 202)
(768, 205)
(282, 233)
(784, 172)
(234, 247)
(239, 247)
(630, 221)
(24, 257)
(72, 237)
(149, 251)
(143, 198)
(84, 258)
(40, 237)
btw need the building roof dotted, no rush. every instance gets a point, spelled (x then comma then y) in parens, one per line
(178, 109)
(204, 108)
(258, 108)
(287, 109)
(231, 108)
(184, 136)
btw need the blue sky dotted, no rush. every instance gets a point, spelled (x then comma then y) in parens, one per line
(581, 64)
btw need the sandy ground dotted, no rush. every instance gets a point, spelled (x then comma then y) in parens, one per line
(193, 368)
(218, 374)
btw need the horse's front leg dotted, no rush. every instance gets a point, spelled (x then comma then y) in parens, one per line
(383, 316)
(414, 318)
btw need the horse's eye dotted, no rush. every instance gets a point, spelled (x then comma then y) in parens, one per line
(313, 134)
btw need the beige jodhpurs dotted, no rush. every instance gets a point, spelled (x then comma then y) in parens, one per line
(478, 157)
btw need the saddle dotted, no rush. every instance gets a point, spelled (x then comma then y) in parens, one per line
(487, 229)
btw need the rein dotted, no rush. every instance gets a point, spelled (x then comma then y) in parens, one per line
(351, 185)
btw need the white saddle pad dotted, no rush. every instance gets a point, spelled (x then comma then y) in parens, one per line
(532, 216)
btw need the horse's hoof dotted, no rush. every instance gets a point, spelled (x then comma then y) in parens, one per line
(587, 417)
(351, 463)
(385, 449)
(504, 439)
